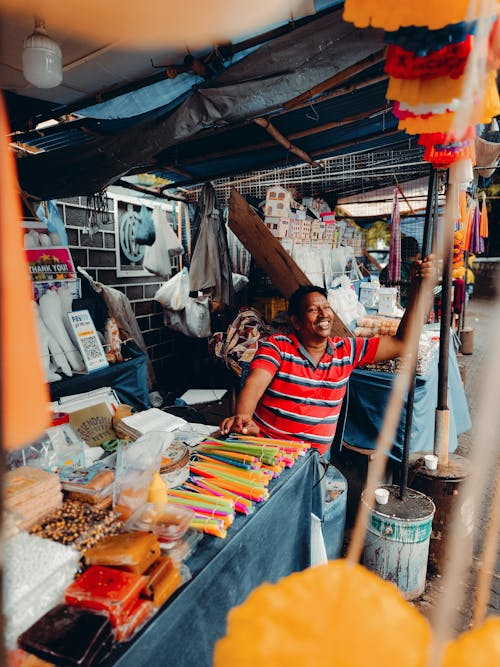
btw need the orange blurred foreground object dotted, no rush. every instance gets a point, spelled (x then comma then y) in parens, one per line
(479, 647)
(335, 614)
(25, 397)
(158, 23)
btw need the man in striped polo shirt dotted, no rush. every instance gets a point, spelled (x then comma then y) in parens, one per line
(297, 380)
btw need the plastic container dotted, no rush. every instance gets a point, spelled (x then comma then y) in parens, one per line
(90, 485)
(174, 468)
(167, 522)
(69, 636)
(164, 578)
(133, 552)
(139, 614)
(185, 547)
(106, 589)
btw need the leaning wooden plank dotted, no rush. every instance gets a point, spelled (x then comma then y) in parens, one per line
(269, 254)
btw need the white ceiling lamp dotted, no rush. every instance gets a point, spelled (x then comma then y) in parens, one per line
(42, 58)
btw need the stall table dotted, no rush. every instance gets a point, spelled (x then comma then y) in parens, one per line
(264, 546)
(128, 379)
(369, 393)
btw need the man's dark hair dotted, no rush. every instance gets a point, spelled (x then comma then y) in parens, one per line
(409, 247)
(296, 299)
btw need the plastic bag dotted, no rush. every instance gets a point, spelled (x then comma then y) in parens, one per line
(145, 233)
(49, 214)
(174, 294)
(135, 464)
(344, 301)
(193, 320)
(166, 245)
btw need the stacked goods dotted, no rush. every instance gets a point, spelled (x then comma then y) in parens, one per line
(36, 574)
(126, 579)
(230, 476)
(92, 485)
(427, 349)
(69, 636)
(376, 325)
(31, 493)
(133, 552)
(114, 592)
(79, 524)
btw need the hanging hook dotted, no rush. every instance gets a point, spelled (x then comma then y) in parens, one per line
(315, 118)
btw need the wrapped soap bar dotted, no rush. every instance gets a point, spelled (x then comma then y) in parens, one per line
(138, 615)
(133, 552)
(69, 636)
(106, 589)
(163, 578)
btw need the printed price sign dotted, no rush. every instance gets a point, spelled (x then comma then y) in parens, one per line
(88, 340)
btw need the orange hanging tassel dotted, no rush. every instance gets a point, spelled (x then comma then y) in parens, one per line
(483, 223)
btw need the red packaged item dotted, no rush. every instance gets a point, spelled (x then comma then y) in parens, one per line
(133, 552)
(106, 589)
(138, 615)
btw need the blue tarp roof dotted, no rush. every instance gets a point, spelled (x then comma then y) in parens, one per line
(190, 129)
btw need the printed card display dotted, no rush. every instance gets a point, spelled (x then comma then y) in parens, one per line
(52, 263)
(88, 340)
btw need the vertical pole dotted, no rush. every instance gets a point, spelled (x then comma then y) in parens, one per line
(442, 429)
(430, 216)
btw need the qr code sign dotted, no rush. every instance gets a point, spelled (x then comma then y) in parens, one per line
(91, 348)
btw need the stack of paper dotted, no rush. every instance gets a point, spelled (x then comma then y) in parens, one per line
(149, 420)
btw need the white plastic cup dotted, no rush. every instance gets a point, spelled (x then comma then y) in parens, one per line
(431, 461)
(381, 496)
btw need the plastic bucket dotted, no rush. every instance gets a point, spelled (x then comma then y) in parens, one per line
(467, 340)
(397, 541)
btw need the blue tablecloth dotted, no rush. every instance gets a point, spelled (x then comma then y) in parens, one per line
(264, 546)
(128, 379)
(368, 396)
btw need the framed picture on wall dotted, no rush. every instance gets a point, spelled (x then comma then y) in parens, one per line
(128, 213)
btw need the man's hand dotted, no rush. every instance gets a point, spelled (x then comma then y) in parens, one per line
(239, 424)
(424, 270)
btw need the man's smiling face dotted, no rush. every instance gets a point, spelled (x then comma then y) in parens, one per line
(316, 318)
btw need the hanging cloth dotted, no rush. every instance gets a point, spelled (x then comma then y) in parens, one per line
(394, 269)
(483, 222)
(476, 244)
(210, 269)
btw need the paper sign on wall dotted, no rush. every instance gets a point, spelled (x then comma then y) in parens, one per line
(88, 340)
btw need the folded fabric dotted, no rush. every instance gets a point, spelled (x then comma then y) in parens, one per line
(450, 61)
(423, 40)
(433, 14)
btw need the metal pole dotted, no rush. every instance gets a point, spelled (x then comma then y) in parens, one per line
(442, 412)
(430, 216)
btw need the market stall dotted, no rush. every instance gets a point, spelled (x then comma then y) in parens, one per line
(263, 546)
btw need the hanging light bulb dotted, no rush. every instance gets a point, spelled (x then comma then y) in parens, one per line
(42, 58)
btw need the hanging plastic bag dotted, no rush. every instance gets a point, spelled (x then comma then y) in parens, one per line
(48, 213)
(192, 321)
(145, 233)
(174, 294)
(344, 301)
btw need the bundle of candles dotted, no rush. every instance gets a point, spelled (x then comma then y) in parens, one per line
(232, 475)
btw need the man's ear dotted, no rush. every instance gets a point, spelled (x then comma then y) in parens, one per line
(295, 321)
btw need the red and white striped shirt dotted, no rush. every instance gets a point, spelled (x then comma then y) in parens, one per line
(303, 400)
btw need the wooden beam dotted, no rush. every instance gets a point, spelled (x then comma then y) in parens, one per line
(269, 254)
(283, 141)
(155, 192)
(268, 144)
(348, 144)
(335, 80)
(337, 92)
